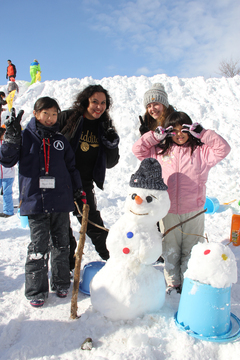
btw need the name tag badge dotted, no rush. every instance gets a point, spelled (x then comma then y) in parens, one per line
(47, 182)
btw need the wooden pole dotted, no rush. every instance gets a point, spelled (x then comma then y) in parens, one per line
(78, 256)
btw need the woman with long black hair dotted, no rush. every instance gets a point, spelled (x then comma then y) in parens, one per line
(89, 129)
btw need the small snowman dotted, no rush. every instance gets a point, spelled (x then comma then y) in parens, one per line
(205, 305)
(128, 285)
(213, 264)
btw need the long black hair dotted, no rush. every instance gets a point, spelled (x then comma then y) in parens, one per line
(81, 104)
(174, 119)
(82, 101)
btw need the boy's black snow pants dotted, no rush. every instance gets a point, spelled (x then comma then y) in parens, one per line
(49, 233)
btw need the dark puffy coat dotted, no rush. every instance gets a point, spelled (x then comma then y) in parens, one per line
(108, 155)
(12, 86)
(30, 155)
(2, 103)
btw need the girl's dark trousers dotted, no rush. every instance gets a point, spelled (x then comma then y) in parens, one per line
(98, 236)
(49, 234)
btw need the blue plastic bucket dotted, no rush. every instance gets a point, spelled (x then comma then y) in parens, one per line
(89, 271)
(203, 309)
(212, 205)
(23, 219)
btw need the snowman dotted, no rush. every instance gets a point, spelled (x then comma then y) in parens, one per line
(128, 286)
(212, 263)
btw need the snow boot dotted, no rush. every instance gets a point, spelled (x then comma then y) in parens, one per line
(37, 302)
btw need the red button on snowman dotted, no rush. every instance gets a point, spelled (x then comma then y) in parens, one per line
(128, 286)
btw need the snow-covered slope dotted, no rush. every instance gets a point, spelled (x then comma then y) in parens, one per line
(48, 333)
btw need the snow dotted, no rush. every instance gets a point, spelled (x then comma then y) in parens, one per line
(48, 332)
(213, 264)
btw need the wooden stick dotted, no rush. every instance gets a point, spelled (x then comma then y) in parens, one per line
(78, 257)
(90, 222)
(201, 212)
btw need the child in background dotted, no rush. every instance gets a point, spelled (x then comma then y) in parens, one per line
(186, 153)
(12, 85)
(6, 183)
(2, 102)
(34, 68)
(11, 70)
(47, 181)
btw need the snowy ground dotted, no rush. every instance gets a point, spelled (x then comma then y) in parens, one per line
(48, 332)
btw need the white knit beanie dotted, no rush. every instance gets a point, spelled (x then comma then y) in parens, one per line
(156, 94)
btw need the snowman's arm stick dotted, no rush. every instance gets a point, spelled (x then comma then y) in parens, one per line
(193, 217)
(78, 256)
(90, 222)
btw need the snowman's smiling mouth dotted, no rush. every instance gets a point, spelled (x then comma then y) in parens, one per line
(138, 214)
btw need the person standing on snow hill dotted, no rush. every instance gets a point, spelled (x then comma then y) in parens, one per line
(2, 102)
(11, 70)
(157, 108)
(88, 127)
(12, 85)
(186, 152)
(6, 183)
(48, 181)
(34, 68)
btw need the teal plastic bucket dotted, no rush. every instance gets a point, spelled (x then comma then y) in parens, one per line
(212, 205)
(23, 219)
(204, 310)
(89, 270)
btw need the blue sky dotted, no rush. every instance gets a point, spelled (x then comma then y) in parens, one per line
(103, 38)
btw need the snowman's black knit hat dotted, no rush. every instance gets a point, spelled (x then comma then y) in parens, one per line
(148, 176)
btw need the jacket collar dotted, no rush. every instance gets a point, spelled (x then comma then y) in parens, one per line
(41, 130)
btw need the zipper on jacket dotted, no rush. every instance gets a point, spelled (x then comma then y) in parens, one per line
(179, 149)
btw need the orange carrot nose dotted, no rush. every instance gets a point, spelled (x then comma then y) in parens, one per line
(138, 200)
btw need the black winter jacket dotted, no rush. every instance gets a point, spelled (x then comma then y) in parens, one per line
(30, 155)
(108, 155)
(2, 103)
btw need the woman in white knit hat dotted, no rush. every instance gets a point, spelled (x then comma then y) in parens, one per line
(157, 108)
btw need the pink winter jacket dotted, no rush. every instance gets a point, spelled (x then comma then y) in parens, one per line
(185, 174)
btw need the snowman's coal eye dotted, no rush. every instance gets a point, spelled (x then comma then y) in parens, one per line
(133, 196)
(149, 199)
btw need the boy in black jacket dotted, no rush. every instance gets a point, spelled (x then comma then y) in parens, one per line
(47, 182)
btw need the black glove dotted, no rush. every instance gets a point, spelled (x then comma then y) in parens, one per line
(80, 198)
(110, 134)
(13, 127)
(110, 138)
(143, 128)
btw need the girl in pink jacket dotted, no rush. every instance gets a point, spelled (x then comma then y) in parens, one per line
(186, 153)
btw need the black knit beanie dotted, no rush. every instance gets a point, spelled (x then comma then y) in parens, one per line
(148, 176)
